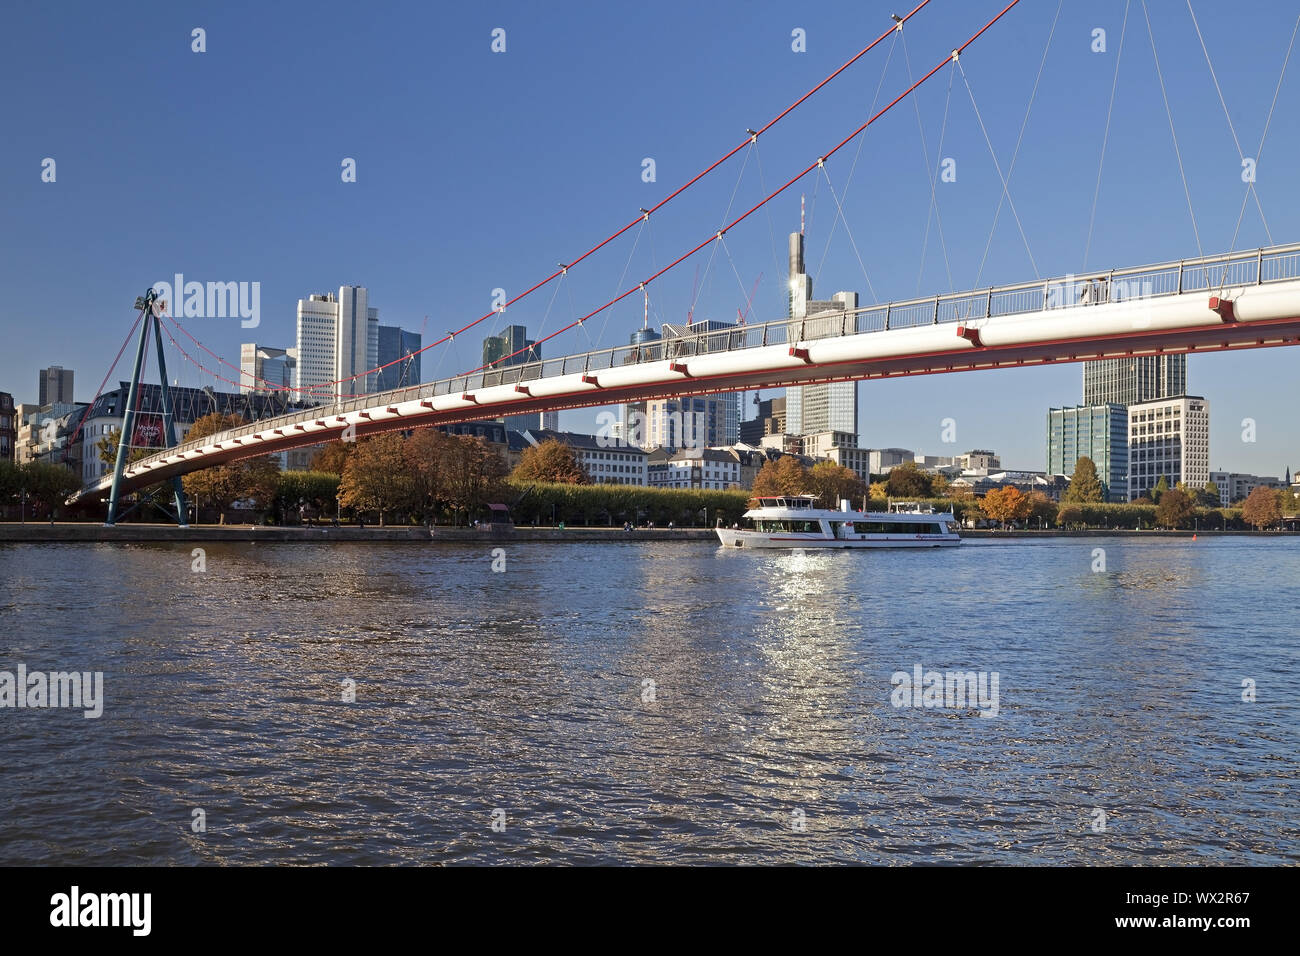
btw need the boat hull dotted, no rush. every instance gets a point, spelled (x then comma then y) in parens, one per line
(750, 540)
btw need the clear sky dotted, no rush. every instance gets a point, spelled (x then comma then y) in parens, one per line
(479, 170)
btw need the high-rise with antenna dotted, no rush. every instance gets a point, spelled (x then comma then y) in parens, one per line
(814, 409)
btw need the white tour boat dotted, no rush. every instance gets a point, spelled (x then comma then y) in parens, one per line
(794, 521)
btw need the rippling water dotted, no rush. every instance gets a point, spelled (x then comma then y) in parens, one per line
(524, 691)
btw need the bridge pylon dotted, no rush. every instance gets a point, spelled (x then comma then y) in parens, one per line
(151, 326)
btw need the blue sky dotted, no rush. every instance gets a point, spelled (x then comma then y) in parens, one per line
(478, 170)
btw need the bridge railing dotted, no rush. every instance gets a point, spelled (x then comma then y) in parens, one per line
(1248, 267)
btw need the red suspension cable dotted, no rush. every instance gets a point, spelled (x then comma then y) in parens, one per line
(718, 235)
(604, 242)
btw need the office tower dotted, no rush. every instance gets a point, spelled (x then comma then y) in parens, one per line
(264, 369)
(55, 385)
(813, 409)
(1098, 431)
(397, 345)
(1140, 378)
(511, 347)
(1168, 438)
(338, 337)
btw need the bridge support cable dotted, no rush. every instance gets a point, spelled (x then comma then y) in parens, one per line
(853, 168)
(617, 285)
(849, 232)
(749, 140)
(771, 227)
(1105, 136)
(100, 391)
(792, 180)
(721, 230)
(932, 174)
(1178, 154)
(1015, 155)
(1241, 154)
(1006, 191)
(1260, 151)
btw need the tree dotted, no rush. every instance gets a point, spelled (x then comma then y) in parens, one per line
(878, 489)
(782, 476)
(1174, 509)
(426, 452)
(1007, 504)
(831, 482)
(48, 485)
(909, 481)
(376, 477)
(315, 489)
(1261, 508)
(1208, 496)
(222, 485)
(474, 474)
(939, 485)
(551, 461)
(1041, 506)
(1085, 486)
(1158, 491)
(1069, 515)
(332, 456)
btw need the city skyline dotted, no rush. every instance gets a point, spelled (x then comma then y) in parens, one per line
(469, 259)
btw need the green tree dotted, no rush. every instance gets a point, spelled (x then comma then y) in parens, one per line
(1159, 490)
(551, 461)
(315, 489)
(909, 481)
(48, 485)
(1261, 508)
(1174, 509)
(1085, 486)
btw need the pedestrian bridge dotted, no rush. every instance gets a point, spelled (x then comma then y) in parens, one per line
(1247, 299)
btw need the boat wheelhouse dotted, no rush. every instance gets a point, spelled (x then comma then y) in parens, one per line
(795, 521)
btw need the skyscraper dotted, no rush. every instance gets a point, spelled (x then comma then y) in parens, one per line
(511, 347)
(1168, 438)
(514, 347)
(55, 385)
(813, 409)
(1140, 378)
(400, 346)
(338, 337)
(262, 368)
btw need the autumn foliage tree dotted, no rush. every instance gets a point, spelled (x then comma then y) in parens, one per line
(1261, 508)
(1007, 504)
(375, 477)
(782, 476)
(909, 481)
(550, 461)
(1174, 509)
(332, 456)
(221, 486)
(831, 482)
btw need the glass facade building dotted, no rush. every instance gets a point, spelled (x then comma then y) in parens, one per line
(1098, 431)
(1140, 378)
